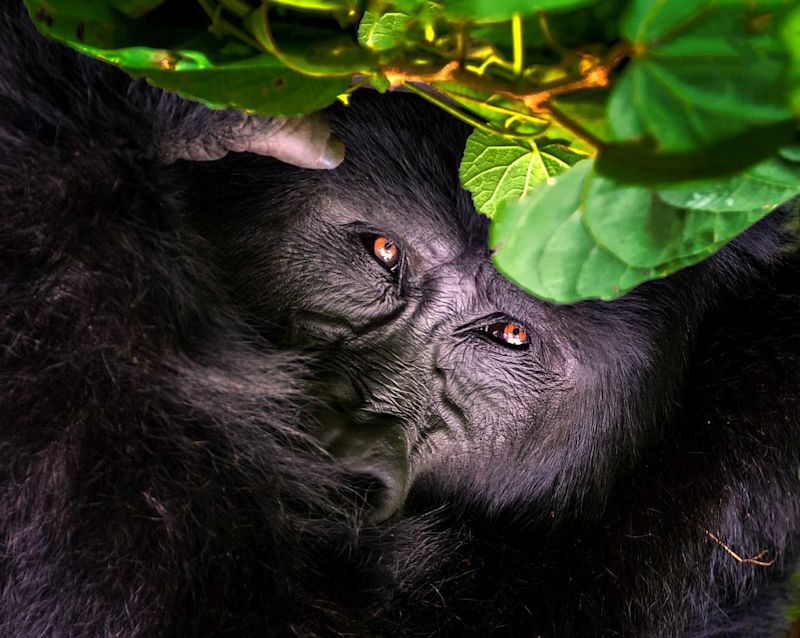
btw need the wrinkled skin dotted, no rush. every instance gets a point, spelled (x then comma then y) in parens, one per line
(221, 415)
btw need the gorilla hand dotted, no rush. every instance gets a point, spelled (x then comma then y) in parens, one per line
(304, 141)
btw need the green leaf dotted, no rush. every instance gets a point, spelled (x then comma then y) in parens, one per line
(765, 185)
(494, 169)
(701, 72)
(498, 10)
(259, 84)
(642, 163)
(540, 243)
(382, 32)
(642, 230)
(544, 245)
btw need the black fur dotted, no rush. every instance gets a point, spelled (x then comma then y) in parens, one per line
(160, 473)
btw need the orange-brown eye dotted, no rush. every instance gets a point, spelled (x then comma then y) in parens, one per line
(509, 333)
(386, 252)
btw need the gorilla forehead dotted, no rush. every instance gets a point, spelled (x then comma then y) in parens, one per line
(419, 187)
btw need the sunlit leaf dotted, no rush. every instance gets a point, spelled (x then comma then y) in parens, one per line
(494, 169)
(382, 32)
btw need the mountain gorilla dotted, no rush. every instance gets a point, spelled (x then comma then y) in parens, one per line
(242, 398)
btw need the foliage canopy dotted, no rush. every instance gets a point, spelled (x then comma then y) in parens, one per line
(615, 141)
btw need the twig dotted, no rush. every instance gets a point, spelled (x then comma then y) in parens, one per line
(755, 560)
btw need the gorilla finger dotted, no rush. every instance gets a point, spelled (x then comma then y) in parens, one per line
(305, 141)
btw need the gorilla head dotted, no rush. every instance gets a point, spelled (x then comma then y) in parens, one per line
(434, 373)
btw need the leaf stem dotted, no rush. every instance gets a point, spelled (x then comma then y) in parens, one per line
(472, 121)
(454, 95)
(237, 7)
(220, 25)
(571, 125)
(516, 38)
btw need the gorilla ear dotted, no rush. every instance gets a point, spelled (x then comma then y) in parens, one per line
(206, 134)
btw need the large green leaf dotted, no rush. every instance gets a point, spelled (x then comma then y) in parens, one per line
(544, 245)
(701, 72)
(764, 185)
(494, 169)
(635, 225)
(498, 10)
(540, 243)
(202, 67)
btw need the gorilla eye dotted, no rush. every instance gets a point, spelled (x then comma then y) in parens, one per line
(385, 251)
(508, 333)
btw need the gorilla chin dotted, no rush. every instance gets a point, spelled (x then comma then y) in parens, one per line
(239, 398)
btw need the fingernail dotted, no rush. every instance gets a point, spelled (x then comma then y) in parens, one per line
(333, 155)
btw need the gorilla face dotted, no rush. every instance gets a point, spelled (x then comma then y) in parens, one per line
(425, 352)
(431, 367)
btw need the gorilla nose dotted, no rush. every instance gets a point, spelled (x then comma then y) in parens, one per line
(383, 490)
(374, 448)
